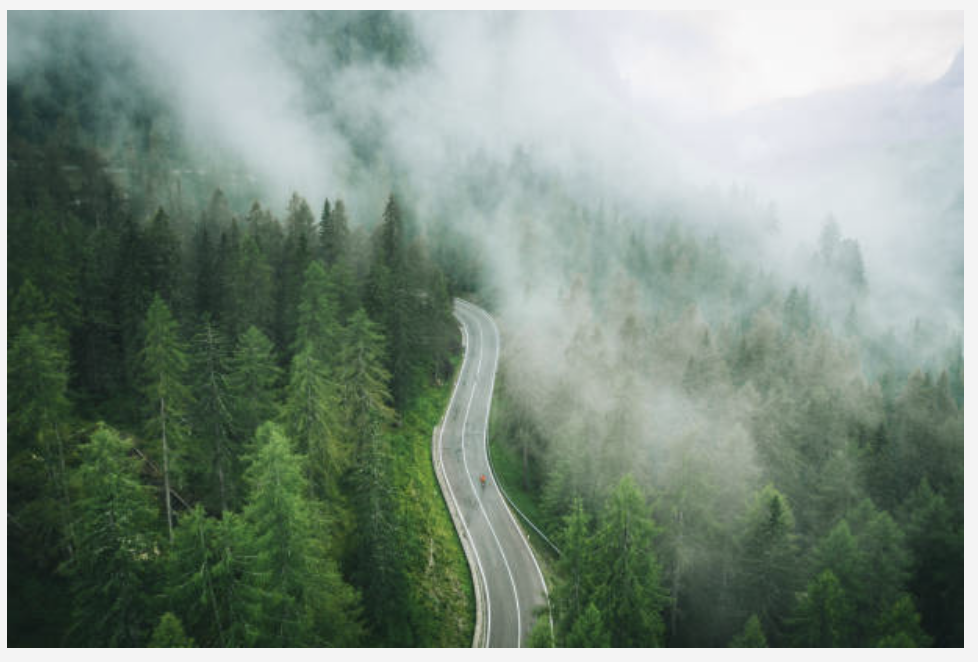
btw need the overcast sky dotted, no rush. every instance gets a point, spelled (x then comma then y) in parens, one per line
(701, 63)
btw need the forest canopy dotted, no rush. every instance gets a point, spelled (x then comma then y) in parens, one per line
(233, 247)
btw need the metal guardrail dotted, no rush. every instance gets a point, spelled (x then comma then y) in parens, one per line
(519, 512)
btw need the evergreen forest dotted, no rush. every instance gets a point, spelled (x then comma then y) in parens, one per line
(233, 249)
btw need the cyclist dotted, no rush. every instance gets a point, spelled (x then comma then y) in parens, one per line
(482, 479)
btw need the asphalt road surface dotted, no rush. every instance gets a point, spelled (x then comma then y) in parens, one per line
(513, 585)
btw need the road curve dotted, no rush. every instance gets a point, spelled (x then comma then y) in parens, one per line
(506, 573)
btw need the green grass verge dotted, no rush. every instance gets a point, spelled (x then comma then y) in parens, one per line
(508, 467)
(442, 602)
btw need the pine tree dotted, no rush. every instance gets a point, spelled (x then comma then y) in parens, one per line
(191, 587)
(169, 634)
(296, 255)
(96, 349)
(589, 630)
(205, 572)
(38, 413)
(752, 635)
(936, 544)
(163, 264)
(883, 565)
(132, 297)
(215, 451)
(115, 529)
(768, 560)
(318, 329)
(388, 299)
(364, 401)
(233, 553)
(312, 419)
(899, 627)
(206, 294)
(574, 591)
(164, 367)
(302, 599)
(28, 308)
(253, 384)
(334, 234)
(629, 594)
(365, 396)
(379, 568)
(823, 617)
(251, 288)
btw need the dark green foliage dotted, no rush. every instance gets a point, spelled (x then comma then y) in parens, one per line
(869, 568)
(206, 284)
(388, 298)
(823, 617)
(116, 526)
(193, 583)
(439, 606)
(409, 299)
(253, 384)
(541, 636)
(318, 328)
(900, 627)
(96, 345)
(574, 568)
(250, 288)
(297, 252)
(28, 307)
(37, 381)
(334, 234)
(364, 396)
(769, 563)
(132, 296)
(626, 574)
(43, 245)
(302, 600)
(379, 566)
(589, 630)
(364, 399)
(169, 634)
(215, 453)
(674, 340)
(206, 572)
(140, 294)
(936, 544)
(37, 439)
(164, 362)
(163, 259)
(312, 420)
(752, 635)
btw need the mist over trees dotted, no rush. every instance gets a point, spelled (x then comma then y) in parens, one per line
(767, 441)
(203, 407)
(229, 283)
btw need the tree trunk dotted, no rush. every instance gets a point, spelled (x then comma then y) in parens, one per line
(166, 470)
(220, 468)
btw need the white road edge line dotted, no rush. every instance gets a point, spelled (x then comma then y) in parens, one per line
(451, 492)
(492, 530)
(526, 542)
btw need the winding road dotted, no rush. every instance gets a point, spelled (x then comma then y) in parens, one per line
(507, 577)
